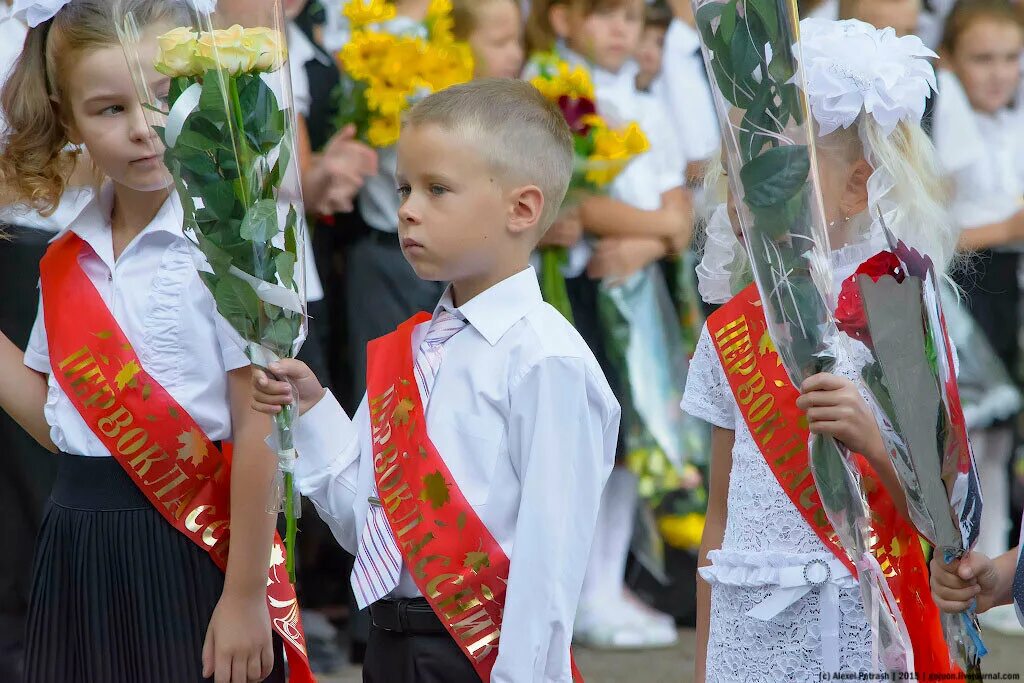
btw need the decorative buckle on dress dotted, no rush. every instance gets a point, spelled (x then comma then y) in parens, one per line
(807, 572)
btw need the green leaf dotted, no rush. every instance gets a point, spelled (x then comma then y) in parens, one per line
(280, 334)
(775, 176)
(237, 302)
(291, 239)
(218, 198)
(285, 262)
(260, 223)
(765, 10)
(728, 25)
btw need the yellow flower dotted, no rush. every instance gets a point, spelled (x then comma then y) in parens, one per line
(364, 54)
(682, 531)
(390, 89)
(178, 53)
(567, 81)
(613, 150)
(360, 13)
(384, 130)
(267, 47)
(226, 49)
(443, 66)
(439, 8)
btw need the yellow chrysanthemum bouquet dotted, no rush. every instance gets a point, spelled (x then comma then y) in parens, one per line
(602, 152)
(387, 66)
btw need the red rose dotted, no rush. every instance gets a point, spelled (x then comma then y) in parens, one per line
(574, 109)
(850, 315)
(881, 264)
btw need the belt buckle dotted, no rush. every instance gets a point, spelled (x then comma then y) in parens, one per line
(807, 572)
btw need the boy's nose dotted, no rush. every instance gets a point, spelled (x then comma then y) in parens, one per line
(407, 213)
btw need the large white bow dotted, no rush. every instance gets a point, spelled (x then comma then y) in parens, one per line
(35, 12)
(850, 66)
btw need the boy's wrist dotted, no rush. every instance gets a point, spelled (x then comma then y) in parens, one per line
(305, 404)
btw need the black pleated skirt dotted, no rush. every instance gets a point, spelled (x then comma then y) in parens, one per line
(118, 594)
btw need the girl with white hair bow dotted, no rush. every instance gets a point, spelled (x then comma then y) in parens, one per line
(776, 602)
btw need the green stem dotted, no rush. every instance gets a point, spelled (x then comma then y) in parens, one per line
(552, 282)
(290, 524)
(241, 147)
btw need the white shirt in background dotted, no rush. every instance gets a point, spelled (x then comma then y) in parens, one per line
(683, 90)
(983, 154)
(527, 424)
(158, 299)
(649, 175)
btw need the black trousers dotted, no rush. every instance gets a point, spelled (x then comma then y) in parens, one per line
(401, 658)
(29, 470)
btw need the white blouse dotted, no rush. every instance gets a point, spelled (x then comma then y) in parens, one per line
(167, 313)
(983, 154)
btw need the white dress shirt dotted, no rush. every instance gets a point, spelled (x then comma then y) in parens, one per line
(158, 299)
(526, 423)
(983, 154)
(684, 92)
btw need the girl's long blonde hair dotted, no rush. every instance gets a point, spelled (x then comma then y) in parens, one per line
(34, 166)
(905, 158)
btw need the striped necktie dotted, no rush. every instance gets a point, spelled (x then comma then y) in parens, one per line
(378, 564)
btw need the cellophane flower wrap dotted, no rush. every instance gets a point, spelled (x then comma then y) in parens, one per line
(390, 62)
(228, 130)
(892, 305)
(603, 149)
(751, 49)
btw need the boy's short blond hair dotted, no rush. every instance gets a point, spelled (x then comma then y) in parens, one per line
(520, 133)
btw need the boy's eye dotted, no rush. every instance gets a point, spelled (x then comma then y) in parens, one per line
(438, 190)
(112, 109)
(404, 191)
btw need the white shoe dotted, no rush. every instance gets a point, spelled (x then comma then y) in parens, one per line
(1002, 619)
(621, 629)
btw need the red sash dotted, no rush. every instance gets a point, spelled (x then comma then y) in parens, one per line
(452, 556)
(767, 400)
(167, 455)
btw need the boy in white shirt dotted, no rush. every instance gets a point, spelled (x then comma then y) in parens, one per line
(495, 524)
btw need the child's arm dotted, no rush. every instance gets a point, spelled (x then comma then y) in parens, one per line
(607, 217)
(238, 638)
(23, 391)
(562, 438)
(835, 407)
(994, 234)
(973, 577)
(722, 441)
(326, 440)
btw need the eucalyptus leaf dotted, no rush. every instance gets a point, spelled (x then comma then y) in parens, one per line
(238, 303)
(260, 223)
(286, 268)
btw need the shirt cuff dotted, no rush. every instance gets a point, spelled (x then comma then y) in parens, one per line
(326, 442)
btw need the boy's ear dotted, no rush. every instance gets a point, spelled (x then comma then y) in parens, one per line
(526, 204)
(558, 17)
(855, 195)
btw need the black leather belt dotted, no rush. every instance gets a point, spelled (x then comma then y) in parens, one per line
(412, 616)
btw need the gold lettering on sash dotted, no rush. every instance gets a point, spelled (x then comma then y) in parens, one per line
(482, 648)
(411, 525)
(112, 424)
(473, 625)
(432, 585)
(192, 521)
(143, 461)
(75, 356)
(420, 570)
(457, 603)
(209, 537)
(170, 485)
(132, 441)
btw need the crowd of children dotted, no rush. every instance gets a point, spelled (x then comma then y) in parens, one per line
(463, 446)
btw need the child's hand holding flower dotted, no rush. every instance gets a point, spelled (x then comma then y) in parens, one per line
(835, 407)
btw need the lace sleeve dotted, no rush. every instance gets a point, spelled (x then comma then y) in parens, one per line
(707, 394)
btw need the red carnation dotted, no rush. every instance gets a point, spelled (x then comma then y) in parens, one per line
(575, 109)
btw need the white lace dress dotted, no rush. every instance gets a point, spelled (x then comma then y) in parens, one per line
(776, 613)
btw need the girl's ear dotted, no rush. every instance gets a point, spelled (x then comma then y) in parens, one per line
(855, 194)
(66, 120)
(558, 17)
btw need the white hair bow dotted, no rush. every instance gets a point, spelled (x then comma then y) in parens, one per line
(35, 12)
(850, 66)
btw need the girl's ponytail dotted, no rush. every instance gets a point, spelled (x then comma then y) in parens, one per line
(33, 165)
